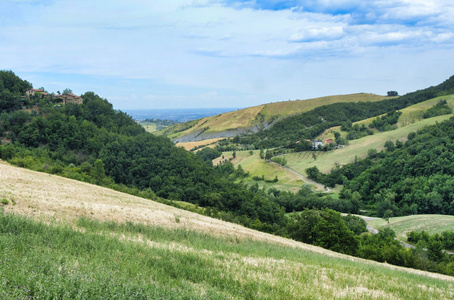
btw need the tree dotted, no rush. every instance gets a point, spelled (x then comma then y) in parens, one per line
(392, 93)
(324, 228)
(67, 91)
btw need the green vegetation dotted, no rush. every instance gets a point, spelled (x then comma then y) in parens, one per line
(12, 89)
(441, 108)
(446, 238)
(310, 124)
(94, 143)
(356, 149)
(260, 115)
(56, 261)
(402, 225)
(154, 125)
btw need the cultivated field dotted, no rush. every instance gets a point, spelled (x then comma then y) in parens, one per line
(82, 241)
(429, 223)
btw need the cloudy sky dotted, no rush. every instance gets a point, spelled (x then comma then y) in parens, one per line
(226, 53)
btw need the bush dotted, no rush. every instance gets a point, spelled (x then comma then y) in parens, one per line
(5, 201)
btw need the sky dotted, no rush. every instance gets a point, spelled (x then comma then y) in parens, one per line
(143, 54)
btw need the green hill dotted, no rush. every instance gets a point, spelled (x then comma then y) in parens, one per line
(80, 241)
(253, 118)
(411, 120)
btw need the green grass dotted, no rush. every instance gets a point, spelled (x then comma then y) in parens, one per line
(135, 261)
(149, 126)
(326, 161)
(258, 167)
(429, 223)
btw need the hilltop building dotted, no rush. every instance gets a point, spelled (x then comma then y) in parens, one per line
(65, 98)
(70, 98)
(32, 92)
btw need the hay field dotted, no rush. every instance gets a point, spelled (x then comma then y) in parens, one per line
(190, 145)
(181, 252)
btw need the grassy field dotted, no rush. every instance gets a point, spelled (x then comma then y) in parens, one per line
(251, 116)
(357, 148)
(71, 240)
(190, 145)
(429, 223)
(258, 167)
(149, 127)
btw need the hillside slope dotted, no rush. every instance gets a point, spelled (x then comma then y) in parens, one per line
(251, 119)
(411, 120)
(249, 262)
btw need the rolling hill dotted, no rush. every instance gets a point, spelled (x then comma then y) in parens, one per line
(411, 120)
(253, 118)
(77, 240)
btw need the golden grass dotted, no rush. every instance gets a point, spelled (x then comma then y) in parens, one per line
(190, 145)
(52, 198)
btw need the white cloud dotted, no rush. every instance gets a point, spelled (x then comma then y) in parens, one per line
(208, 52)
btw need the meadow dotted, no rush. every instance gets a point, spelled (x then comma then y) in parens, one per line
(429, 223)
(256, 166)
(149, 126)
(72, 240)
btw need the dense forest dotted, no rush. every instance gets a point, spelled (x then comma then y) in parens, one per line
(92, 142)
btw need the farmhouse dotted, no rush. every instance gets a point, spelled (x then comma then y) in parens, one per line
(317, 144)
(70, 98)
(329, 141)
(32, 92)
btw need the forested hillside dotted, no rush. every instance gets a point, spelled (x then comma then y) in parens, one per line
(409, 178)
(310, 124)
(93, 142)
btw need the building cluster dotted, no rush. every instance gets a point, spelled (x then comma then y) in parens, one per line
(65, 98)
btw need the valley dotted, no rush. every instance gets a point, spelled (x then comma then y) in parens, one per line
(93, 203)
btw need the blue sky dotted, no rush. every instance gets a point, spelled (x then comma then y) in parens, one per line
(226, 53)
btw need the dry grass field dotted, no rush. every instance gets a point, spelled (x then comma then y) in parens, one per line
(190, 145)
(241, 263)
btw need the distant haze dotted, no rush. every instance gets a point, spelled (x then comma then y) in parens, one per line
(179, 115)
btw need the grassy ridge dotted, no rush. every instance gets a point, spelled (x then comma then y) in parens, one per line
(256, 115)
(124, 261)
(429, 223)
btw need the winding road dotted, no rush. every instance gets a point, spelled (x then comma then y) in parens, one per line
(375, 231)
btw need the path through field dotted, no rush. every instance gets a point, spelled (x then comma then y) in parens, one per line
(310, 181)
